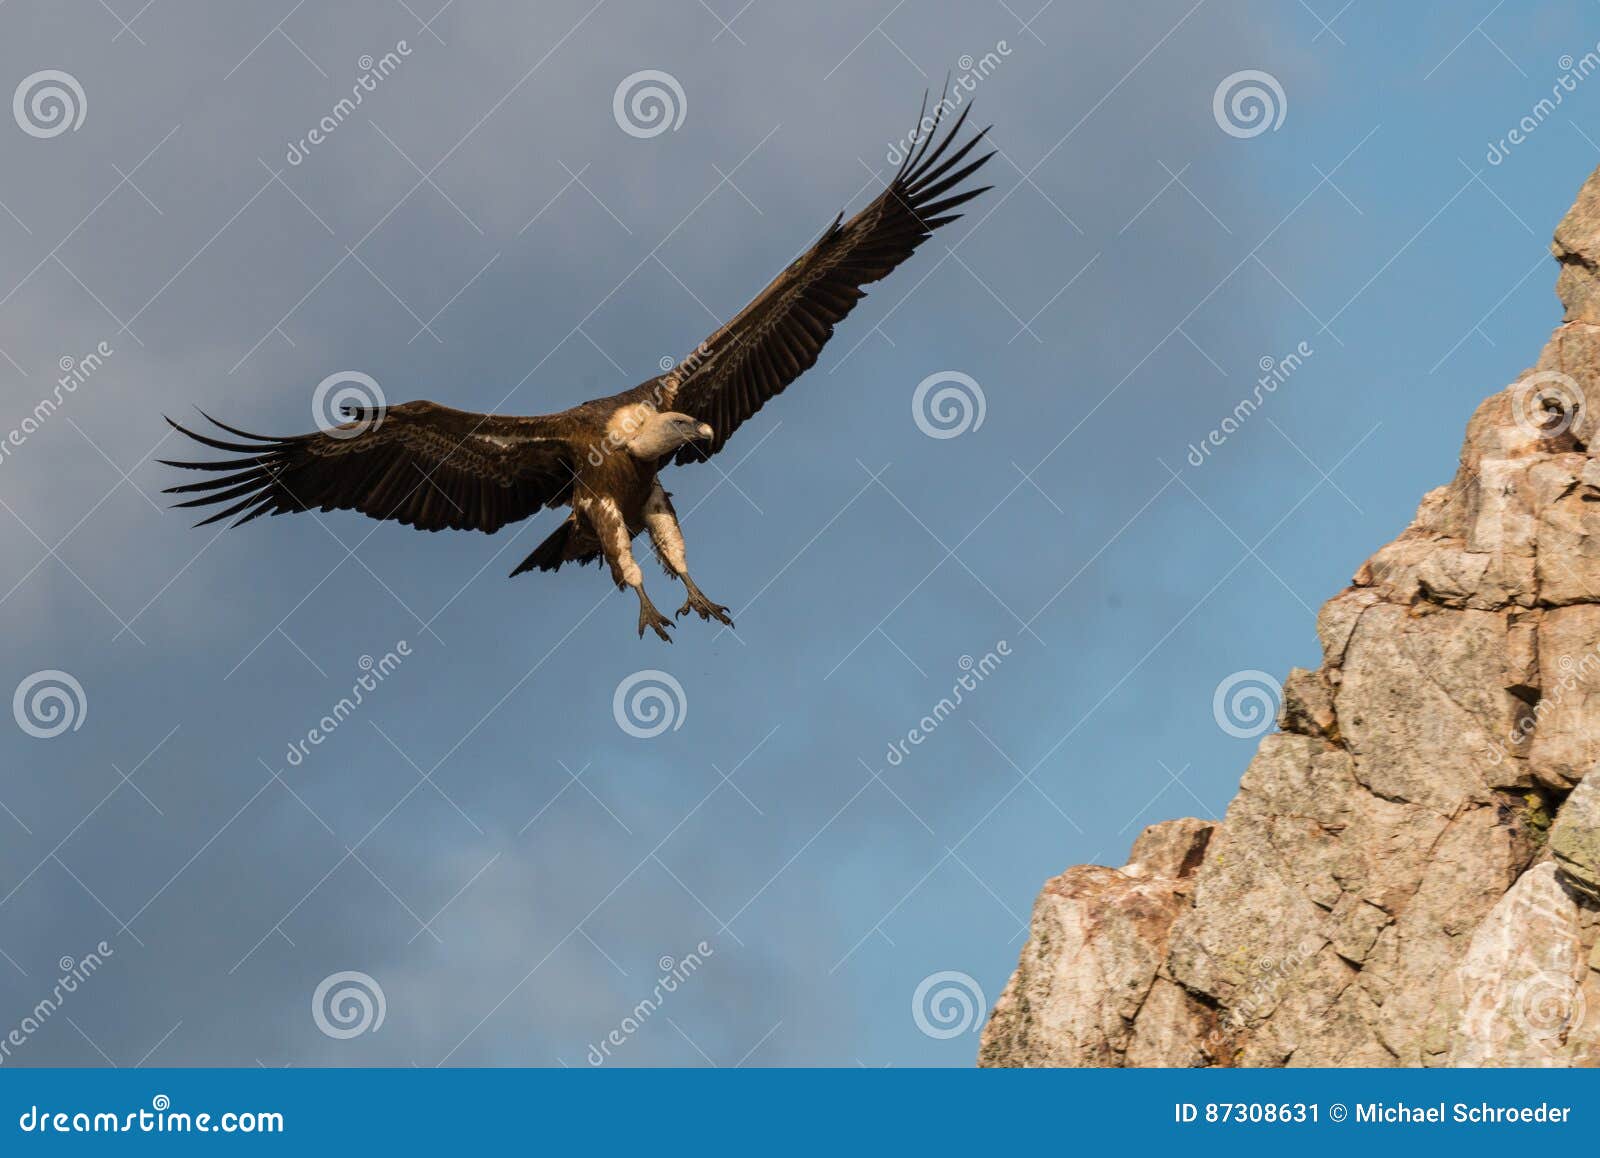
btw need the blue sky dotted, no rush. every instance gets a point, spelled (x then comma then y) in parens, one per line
(481, 838)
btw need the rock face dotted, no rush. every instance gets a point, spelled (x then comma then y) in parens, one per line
(1410, 872)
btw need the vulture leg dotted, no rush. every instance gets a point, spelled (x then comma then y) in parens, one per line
(667, 536)
(615, 541)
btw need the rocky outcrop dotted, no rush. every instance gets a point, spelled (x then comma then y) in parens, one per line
(1410, 872)
(1089, 972)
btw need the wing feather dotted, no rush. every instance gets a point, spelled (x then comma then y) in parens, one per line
(779, 335)
(419, 463)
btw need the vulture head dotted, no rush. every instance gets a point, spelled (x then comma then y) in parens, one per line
(665, 433)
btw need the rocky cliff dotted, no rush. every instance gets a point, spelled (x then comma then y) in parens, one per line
(1409, 872)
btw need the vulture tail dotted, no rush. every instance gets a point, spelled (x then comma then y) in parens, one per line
(550, 554)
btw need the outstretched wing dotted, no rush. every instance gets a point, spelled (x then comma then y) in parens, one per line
(419, 463)
(778, 336)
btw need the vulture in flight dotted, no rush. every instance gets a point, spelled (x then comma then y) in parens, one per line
(431, 466)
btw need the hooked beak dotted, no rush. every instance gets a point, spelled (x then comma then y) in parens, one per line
(704, 432)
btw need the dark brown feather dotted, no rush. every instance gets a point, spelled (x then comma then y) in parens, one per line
(779, 335)
(422, 464)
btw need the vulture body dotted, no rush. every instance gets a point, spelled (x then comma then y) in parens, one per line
(434, 467)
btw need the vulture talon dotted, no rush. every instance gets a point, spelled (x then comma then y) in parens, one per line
(707, 610)
(651, 618)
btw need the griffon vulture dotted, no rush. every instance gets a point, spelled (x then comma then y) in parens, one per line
(431, 466)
